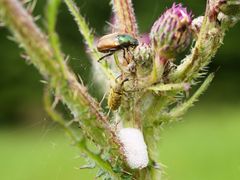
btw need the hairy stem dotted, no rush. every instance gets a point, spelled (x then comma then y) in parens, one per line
(209, 40)
(80, 143)
(64, 83)
(125, 20)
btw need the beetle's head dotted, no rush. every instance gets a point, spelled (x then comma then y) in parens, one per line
(128, 40)
(134, 42)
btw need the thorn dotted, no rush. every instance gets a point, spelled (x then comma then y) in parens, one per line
(25, 56)
(11, 38)
(80, 79)
(100, 174)
(109, 111)
(1, 24)
(88, 166)
(55, 102)
(67, 58)
(77, 157)
(36, 18)
(126, 172)
(43, 81)
(71, 122)
(114, 27)
(104, 96)
(83, 155)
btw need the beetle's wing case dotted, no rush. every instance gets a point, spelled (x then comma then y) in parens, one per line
(108, 43)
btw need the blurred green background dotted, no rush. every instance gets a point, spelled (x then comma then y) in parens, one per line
(205, 146)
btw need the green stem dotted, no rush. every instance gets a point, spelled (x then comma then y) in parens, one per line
(51, 16)
(209, 40)
(80, 143)
(170, 87)
(182, 109)
(94, 123)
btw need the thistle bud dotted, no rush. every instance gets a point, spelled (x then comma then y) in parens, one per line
(171, 33)
(143, 54)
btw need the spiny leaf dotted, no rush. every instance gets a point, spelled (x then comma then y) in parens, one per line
(182, 108)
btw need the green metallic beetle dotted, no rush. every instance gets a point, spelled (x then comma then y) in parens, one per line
(116, 41)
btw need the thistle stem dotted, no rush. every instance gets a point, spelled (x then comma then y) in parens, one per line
(94, 123)
(80, 143)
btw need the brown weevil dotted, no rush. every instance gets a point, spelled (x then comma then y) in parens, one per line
(115, 95)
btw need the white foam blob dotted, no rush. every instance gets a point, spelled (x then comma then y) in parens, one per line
(135, 148)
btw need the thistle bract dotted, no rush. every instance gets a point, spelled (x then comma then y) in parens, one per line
(143, 53)
(230, 7)
(171, 33)
(196, 25)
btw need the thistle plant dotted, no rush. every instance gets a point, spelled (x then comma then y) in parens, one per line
(145, 86)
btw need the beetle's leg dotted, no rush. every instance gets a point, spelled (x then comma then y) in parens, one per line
(124, 55)
(130, 53)
(109, 54)
(127, 49)
(133, 53)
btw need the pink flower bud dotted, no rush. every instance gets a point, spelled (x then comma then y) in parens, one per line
(171, 33)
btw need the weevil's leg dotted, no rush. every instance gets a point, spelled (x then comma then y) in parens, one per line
(170, 87)
(109, 54)
(117, 125)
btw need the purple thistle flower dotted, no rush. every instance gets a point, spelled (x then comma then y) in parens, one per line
(171, 33)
